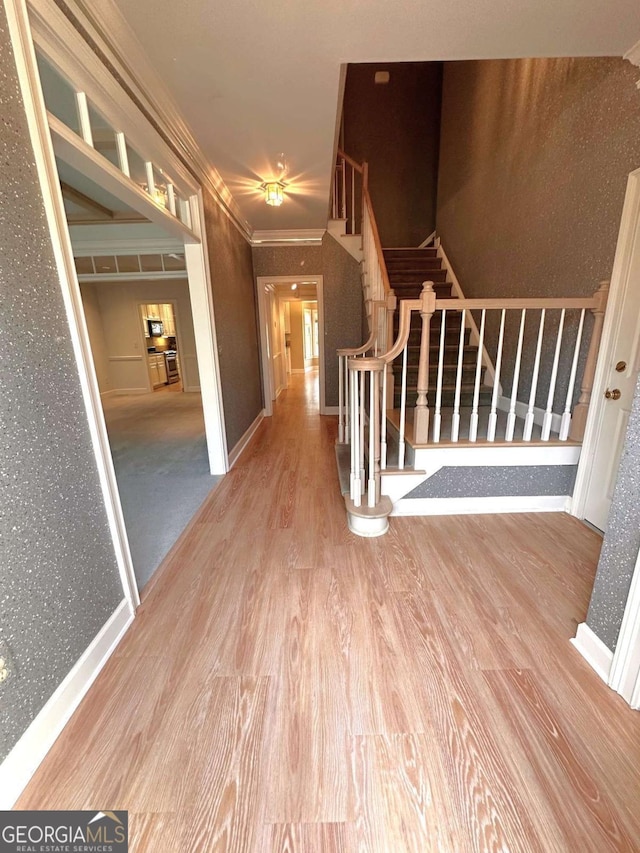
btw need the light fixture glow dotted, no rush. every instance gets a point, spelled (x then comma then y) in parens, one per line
(273, 193)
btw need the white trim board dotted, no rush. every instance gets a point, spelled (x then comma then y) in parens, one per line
(480, 455)
(241, 445)
(480, 506)
(23, 760)
(624, 676)
(593, 650)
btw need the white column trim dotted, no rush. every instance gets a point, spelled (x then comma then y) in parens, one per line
(56, 219)
(624, 677)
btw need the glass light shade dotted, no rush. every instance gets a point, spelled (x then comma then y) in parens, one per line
(274, 194)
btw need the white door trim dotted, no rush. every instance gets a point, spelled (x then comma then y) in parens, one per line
(612, 319)
(57, 222)
(624, 676)
(263, 281)
(204, 327)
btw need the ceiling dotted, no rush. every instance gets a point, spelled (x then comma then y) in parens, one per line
(253, 79)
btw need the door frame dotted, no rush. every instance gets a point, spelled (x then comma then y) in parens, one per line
(624, 671)
(612, 319)
(262, 282)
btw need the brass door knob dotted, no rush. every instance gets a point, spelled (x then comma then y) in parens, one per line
(613, 395)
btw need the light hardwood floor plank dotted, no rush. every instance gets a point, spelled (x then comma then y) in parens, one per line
(288, 686)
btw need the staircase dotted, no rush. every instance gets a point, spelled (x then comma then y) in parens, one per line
(408, 269)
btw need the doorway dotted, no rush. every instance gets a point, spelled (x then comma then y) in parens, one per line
(291, 317)
(616, 374)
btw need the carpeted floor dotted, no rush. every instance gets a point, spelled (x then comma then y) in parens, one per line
(160, 456)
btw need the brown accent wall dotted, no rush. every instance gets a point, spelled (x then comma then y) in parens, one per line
(342, 294)
(236, 324)
(396, 128)
(534, 159)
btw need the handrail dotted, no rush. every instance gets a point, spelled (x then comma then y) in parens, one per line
(357, 166)
(366, 196)
(571, 303)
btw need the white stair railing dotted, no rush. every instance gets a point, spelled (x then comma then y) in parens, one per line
(536, 346)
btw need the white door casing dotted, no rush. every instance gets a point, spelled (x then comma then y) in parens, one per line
(608, 418)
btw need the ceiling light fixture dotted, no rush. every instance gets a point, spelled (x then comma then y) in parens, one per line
(274, 188)
(273, 192)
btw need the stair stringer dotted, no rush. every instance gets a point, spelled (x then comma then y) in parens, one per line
(458, 293)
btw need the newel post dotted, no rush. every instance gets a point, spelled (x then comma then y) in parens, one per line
(421, 417)
(579, 417)
(391, 305)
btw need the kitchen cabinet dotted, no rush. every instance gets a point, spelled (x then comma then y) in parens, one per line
(157, 369)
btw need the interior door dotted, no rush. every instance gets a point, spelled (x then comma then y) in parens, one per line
(621, 377)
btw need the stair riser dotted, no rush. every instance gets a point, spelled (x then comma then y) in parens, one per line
(390, 254)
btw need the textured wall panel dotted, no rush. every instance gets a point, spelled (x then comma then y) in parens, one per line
(498, 481)
(59, 581)
(621, 542)
(235, 309)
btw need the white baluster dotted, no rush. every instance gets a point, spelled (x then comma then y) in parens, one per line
(530, 416)
(473, 421)
(548, 415)
(371, 486)
(347, 406)
(403, 409)
(455, 421)
(566, 415)
(437, 417)
(493, 416)
(356, 484)
(383, 422)
(340, 401)
(362, 418)
(511, 417)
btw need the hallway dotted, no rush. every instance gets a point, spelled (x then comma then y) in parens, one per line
(288, 686)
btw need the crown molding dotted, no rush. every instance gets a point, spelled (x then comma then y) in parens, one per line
(633, 56)
(97, 34)
(288, 237)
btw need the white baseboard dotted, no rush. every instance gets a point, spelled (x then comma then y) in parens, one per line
(330, 410)
(23, 760)
(593, 650)
(478, 506)
(504, 404)
(234, 455)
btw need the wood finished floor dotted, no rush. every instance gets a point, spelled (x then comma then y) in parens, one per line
(287, 686)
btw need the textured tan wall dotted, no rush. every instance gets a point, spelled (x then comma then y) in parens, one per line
(234, 304)
(342, 294)
(534, 158)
